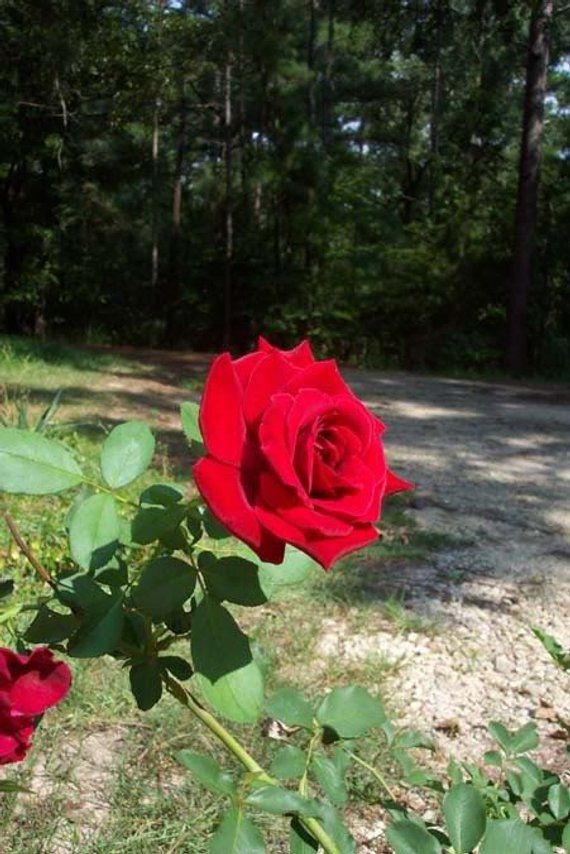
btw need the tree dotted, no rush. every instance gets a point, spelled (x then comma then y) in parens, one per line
(528, 182)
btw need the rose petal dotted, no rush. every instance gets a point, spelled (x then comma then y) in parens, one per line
(43, 683)
(221, 418)
(359, 499)
(324, 376)
(308, 404)
(268, 378)
(245, 365)
(395, 483)
(328, 550)
(300, 356)
(222, 490)
(274, 440)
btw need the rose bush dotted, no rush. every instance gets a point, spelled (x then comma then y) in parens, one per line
(151, 580)
(29, 685)
(292, 455)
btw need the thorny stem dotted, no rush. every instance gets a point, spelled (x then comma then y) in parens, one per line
(372, 770)
(27, 552)
(249, 763)
(303, 781)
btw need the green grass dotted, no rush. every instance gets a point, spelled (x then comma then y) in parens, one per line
(34, 364)
(144, 802)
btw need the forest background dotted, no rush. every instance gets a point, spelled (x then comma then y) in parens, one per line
(390, 177)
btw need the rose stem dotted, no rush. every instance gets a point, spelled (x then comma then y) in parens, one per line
(233, 745)
(372, 770)
(26, 550)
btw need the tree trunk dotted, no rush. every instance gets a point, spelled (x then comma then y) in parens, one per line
(173, 287)
(229, 219)
(154, 227)
(527, 194)
(437, 86)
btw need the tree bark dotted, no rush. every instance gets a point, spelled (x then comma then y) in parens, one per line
(229, 218)
(436, 93)
(154, 227)
(173, 288)
(528, 182)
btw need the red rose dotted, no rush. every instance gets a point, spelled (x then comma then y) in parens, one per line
(292, 455)
(29, 684)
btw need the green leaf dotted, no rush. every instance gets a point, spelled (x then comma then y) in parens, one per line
(237, 835)
(215, 530)
(227, 675)
(94, 532)
(336, 829)
(465, 818)
(34, 465)
(126, 453)
(280, 801)
(300, 840)
(189, 415)
(501, 734)
(407, 837)
(295, 568)
(208, 772)
(507, 836)
(101, 630)
(6, 588)
(50, 627)
(290, 707)
(559, 800)
(350, 712)
(413, 738)
(80, 591)
(493, 757)
(115, 574)
(566, 838)
(165, 585)
(179, 667)
(233, 579)
(288, 762)
(454, 772)
(152, 523)
(161, 495)
(525, 738)
(146, 684)
(331, 779)
(554, 648)
(179, 622)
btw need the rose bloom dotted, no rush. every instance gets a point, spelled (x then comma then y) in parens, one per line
(29, 684)
(292, 455)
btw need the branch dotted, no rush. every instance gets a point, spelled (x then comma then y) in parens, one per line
(232, 744)
(26, 550)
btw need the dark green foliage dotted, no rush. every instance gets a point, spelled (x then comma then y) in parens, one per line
(367, 177)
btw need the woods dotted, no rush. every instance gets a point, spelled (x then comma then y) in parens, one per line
(391, 178)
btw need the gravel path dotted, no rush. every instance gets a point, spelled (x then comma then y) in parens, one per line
(492, 464)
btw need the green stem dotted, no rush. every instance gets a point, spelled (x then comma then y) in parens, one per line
(372, 770)
(303, 788)
(100, 488)
(249, 763)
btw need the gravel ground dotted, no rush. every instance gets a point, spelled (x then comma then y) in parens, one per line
(492, 467)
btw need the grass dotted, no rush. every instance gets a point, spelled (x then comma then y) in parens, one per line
(104, 774)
